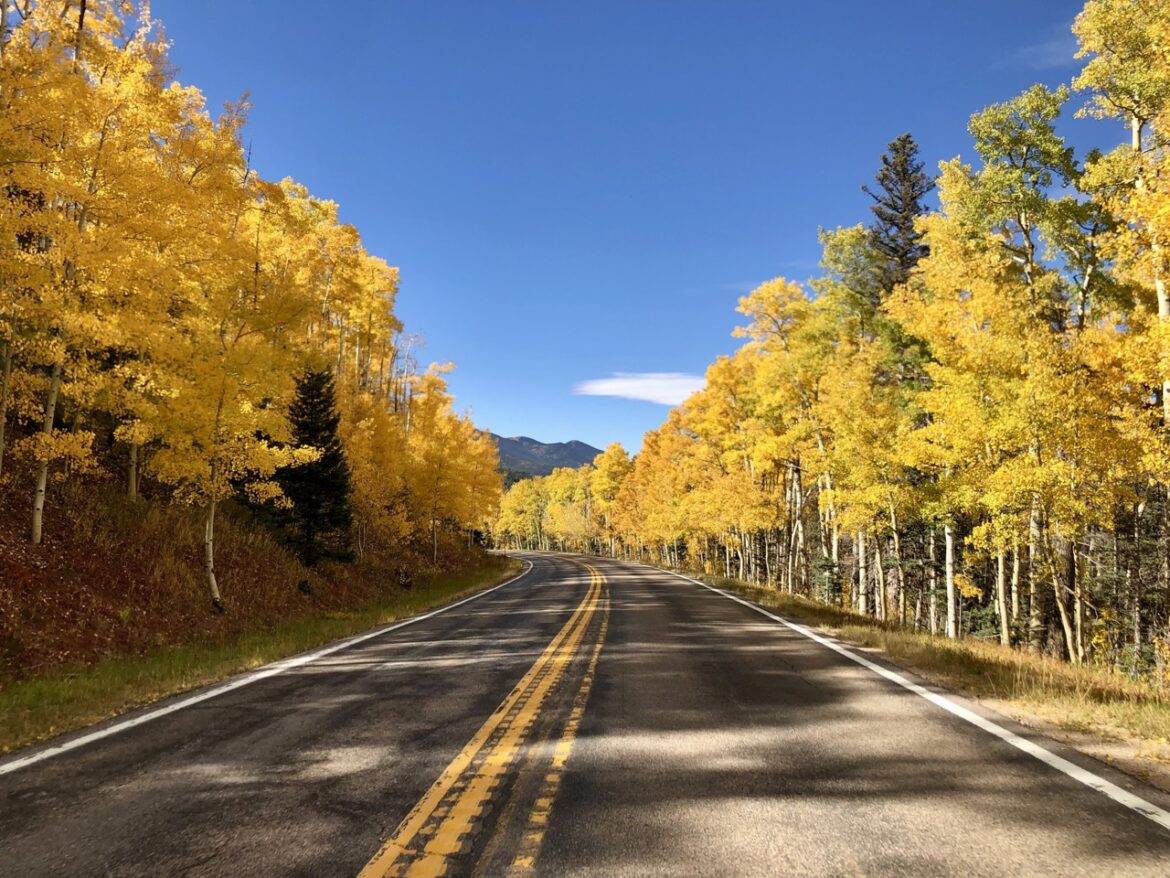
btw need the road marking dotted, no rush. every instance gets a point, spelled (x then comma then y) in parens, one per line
(533, 836)
(1113, 791)
(475, 772)
(261, 674)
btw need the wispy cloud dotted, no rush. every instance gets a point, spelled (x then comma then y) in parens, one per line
(666, 388)
(743, 287)
(1055, 52)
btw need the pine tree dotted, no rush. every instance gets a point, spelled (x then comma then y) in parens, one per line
(898, 203)
(319, 521)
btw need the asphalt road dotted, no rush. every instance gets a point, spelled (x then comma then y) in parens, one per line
(589, 718)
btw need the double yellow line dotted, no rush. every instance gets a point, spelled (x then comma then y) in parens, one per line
(434, 829)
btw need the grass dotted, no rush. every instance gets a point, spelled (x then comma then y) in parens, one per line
(65, 699)
(1088, 698)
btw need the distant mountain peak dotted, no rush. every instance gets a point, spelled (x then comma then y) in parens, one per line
(523, 455)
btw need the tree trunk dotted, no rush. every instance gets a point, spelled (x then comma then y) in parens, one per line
(879, 600)
(1035, 623)
(43, 470)
(1015, 585)
(739, 552)
(798, 581)
(862, 575)
(952, 621)
(5, 361)
(1137, 578)
(132, 473)
(1078, 599)
(1001, 601)
(209, 555)
(1062, 610)
(1160, 292)
(932, 603)
(899, 568)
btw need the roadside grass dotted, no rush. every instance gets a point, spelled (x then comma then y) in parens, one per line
(70, 698)
(1089, 698)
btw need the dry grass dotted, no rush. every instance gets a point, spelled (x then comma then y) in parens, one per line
(66, 699)
(1088, 698)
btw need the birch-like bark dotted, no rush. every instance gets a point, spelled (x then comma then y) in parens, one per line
(949, 540)
(932, 603)
(740, 553)
(862, 575)
(43, 470)
(209, 555)
(880, 592)
(799, 579)
(1035, 623)
(5, 373)
(1015, 584)
(899, 568)
(1058, 589)
(1136, 127)
(1137, 579)
(1001, 600)
(1078, 599)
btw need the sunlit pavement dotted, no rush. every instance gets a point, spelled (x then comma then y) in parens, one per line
(591, 717)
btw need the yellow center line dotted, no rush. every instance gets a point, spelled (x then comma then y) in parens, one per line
(533, 835)
(514, 717)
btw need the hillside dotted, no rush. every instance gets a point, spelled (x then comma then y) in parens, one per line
(99, 587)
(522, 456)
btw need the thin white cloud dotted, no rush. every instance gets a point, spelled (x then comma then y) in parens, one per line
(742, 287)
(1054, 53)
(666, 388)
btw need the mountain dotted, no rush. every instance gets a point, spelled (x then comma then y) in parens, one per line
(521, 456)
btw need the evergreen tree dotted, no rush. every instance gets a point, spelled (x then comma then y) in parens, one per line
(897, 204)
(318, 523)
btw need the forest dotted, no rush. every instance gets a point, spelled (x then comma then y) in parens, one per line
(959, 426)
(175, 325)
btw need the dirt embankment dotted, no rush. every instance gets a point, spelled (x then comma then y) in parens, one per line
(116, 578)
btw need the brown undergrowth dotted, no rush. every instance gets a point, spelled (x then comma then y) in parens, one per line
(112, 609)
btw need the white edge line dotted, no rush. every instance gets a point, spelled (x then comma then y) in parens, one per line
(263, 673)
(1112, 790)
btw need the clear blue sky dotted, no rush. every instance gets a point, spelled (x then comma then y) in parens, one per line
(573, 190)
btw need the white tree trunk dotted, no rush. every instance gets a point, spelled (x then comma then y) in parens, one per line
(1015, 617)
(1136, 127)
(862, 575)
(1035, 623)
(1001, 601)
(899, 567)
(933, 585)
(209, 555)
(952, 620)
(43, 471)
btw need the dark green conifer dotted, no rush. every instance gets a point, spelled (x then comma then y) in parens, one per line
(901, 186)
(318, 524)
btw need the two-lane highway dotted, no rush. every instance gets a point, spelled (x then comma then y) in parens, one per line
(590, 717)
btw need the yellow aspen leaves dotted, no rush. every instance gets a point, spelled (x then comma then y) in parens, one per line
(160, 299)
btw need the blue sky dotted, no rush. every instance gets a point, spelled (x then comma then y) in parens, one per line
(578, 190)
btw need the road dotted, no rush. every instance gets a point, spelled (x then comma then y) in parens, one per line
(590, 717)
